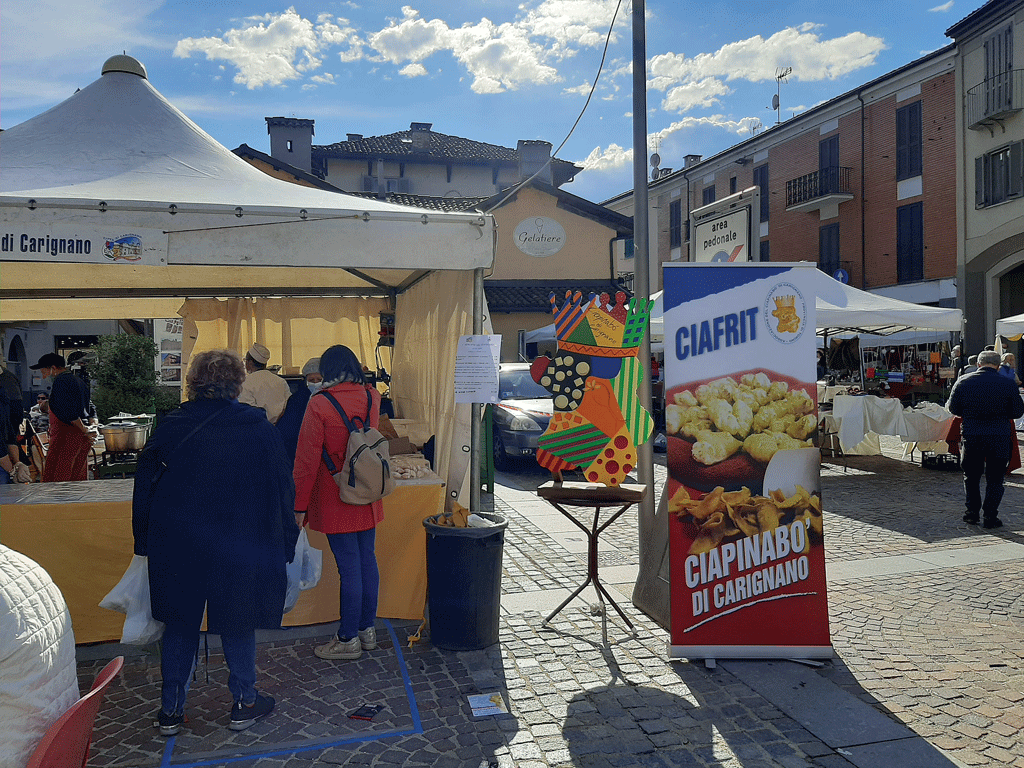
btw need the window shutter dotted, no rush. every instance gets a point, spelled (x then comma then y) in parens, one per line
(979, 182)
(1016, 181)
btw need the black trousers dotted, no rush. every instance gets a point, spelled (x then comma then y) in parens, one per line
(986, 455)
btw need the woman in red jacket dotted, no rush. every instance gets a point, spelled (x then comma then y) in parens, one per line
(350, 529)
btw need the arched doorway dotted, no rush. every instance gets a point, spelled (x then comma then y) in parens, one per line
(18, 364)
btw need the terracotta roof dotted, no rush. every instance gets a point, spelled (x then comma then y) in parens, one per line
(437, 147)
(509, 296)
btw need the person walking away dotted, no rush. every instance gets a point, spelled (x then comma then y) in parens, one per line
(70, 437)
(38, 678)
(263, 388)
(988, 404)
(213, 510)
(291, 419)
(350, 529)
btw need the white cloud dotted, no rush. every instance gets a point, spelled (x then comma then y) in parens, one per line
(697, 93)
(743, 125)
(756, 58)
(271, 50)
(942, 8)
(499, 57)
(611, 158)
(413, 70)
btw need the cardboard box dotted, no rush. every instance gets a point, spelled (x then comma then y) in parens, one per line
(400, 445)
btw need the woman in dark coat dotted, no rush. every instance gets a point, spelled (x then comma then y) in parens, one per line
(213, 511)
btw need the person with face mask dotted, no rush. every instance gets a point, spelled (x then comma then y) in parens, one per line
(70, 437)
(295, 408)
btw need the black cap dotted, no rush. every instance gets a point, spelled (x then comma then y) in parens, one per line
(49, 360)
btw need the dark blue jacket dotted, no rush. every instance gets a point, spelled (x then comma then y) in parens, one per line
(987, 402)
(291, 420)
(219, 523)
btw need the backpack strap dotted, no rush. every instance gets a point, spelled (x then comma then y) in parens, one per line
(349, 424)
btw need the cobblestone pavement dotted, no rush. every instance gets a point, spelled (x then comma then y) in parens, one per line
(927, 619)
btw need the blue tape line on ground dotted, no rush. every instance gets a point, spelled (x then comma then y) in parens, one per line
(414, 711)
(168, 751)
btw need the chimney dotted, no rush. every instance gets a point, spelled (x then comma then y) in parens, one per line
(689, 160)
(291, 141)
(534, 156)
(420, 136)
(354, 137)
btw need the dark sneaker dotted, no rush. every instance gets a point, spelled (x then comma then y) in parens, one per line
(169, 725)
(972, 519)
(242, 716)
(992, 522)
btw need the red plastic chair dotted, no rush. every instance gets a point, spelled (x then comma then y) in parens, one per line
(66, 743)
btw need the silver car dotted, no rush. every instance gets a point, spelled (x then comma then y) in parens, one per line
(520, 416)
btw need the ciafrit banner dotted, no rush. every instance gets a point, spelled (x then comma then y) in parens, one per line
(745, 528)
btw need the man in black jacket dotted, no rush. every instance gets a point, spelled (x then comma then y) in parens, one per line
(987, 403)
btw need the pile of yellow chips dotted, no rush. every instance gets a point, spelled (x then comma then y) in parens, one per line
(729, 515)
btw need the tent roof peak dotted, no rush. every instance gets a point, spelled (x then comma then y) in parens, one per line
(124, 63)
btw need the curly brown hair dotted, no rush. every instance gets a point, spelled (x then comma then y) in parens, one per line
(215, 375)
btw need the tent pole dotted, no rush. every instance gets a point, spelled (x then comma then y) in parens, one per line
(477, 408)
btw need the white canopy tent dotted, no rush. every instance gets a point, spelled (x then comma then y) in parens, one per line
(1011, 327)
(840, 310)
(115, 201)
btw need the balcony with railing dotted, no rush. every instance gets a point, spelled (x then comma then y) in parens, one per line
(997, 98)
(823, 189)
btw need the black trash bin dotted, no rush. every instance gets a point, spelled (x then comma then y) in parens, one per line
(464, 583)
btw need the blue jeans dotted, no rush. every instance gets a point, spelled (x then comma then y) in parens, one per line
(177, 661)
(357, 567)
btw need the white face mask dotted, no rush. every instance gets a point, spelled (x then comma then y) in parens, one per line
(314, 386)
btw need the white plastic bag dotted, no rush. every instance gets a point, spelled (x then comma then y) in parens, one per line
(303, 571)
(131, 597)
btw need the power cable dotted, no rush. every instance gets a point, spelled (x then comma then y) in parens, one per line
(604, 54)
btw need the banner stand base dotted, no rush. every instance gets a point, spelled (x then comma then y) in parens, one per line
(710, 653)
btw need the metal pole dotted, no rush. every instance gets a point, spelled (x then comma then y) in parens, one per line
(476, 409)
(646, 595)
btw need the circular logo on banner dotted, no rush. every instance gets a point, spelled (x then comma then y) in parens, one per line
(785, 313)
(539, 236)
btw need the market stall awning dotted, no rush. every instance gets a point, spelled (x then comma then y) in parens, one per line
(1011, 327)
(119, 186)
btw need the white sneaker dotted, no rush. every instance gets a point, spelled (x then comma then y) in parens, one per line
(336, 649)
(368, 638)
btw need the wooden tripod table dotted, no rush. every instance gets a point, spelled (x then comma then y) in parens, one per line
(592, 496)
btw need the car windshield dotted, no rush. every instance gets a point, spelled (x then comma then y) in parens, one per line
(519, 385)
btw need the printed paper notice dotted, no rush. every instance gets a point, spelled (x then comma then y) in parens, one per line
(476, 369)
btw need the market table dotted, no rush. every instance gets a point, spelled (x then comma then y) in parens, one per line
(81, 534)
(859, 416)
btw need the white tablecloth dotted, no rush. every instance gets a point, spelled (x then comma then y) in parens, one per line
(857, 416)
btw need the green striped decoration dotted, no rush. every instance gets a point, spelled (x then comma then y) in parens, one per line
(579, 446)
(625, 386)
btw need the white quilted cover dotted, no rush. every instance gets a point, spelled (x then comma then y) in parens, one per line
(38, 682)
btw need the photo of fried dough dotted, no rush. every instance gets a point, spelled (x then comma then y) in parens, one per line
(757, 415)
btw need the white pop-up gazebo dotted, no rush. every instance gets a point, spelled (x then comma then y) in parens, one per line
(114, 204)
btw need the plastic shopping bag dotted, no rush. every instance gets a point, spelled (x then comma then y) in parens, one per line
(303, 571)
(131, 597)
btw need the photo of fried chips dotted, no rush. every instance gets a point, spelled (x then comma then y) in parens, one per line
(723, 516)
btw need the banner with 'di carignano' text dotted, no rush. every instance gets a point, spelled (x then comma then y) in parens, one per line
(745, 525)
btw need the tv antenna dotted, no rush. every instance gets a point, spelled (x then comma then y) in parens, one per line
(755, 127)
(780, 77)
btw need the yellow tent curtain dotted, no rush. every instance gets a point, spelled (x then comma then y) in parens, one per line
(430, 318)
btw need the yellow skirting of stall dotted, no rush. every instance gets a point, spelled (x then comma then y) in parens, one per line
(86, 547)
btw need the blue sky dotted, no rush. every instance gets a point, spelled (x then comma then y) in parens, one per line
(488, 70)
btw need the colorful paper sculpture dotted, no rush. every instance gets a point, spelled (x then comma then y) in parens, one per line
(594, 381)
